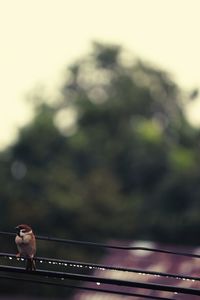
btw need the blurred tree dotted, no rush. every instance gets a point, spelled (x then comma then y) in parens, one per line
(114, 157)
(117, 134)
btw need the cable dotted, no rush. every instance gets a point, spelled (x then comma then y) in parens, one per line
(99, 245)
(77, 264)
(84, 288)
(101, 280)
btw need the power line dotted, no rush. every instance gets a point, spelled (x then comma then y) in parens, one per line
(102, 280)
(103, 267)
(84, 288)
(100, 245)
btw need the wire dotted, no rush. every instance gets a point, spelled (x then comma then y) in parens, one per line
(78, 264)
(99, 245)
(85, 288)
(101, 280)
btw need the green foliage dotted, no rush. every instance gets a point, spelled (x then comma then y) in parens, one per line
(114, 158)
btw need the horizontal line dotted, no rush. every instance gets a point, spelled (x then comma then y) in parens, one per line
(89, 278)
(106, 267)
(85, 288)
(99, 245)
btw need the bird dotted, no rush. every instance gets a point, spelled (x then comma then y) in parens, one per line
(26, 245)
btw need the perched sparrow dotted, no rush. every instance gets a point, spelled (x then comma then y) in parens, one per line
(26, 245)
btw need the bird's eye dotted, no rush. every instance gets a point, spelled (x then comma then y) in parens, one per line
(23, 230)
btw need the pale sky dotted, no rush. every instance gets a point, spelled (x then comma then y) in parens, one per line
(39, 38)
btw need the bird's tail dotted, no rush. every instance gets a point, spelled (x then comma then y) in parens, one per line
(30, 264)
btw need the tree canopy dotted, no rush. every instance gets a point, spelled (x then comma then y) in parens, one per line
(113, 157)
(115, 144)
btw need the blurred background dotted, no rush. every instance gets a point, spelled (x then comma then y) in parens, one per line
(99, 123)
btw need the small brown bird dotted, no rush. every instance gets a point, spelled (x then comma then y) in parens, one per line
(26, 245)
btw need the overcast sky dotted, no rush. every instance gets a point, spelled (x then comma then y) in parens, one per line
(39, 38)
